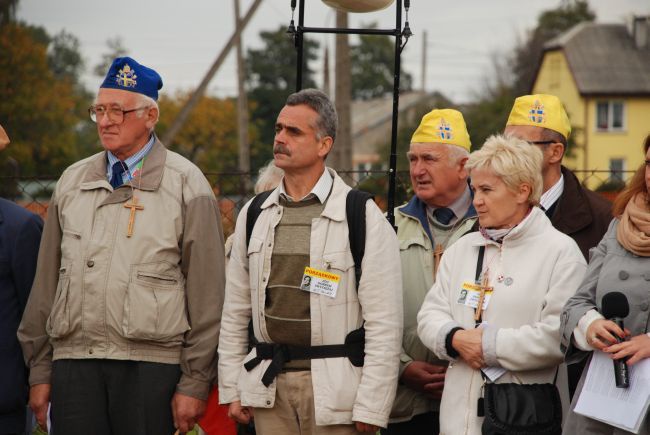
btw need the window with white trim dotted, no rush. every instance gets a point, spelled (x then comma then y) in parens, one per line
(610, 115)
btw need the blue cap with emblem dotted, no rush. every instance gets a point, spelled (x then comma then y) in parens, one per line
(128, 75)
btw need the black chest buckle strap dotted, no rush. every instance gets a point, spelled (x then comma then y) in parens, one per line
(279, 354)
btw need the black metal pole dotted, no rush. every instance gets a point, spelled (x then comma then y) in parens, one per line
(387, 32)
(390, 214)
(299, 44)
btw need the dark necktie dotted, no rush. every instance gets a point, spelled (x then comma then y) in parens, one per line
(443, 215)
(116, 177)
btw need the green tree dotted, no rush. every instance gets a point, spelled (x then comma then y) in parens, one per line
(271, 77)
(115, 49)
(372, 61)
(209, 137)
(7, 11)
(36, 108)
(64, 57)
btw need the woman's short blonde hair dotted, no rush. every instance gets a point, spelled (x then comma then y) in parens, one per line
(513, 160)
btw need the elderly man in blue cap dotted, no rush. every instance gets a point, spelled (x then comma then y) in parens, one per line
(122, 324)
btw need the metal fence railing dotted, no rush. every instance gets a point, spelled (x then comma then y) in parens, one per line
(234, 189)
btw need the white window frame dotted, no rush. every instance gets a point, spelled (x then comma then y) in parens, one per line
(610, 116)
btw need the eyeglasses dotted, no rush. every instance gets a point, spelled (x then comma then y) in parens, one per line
(115, 114)
(541, 142)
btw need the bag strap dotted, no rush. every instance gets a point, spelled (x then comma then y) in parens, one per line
(254, 211)
(479, 269)
(355, 212)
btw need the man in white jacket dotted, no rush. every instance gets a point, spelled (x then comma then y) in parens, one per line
(307, 372)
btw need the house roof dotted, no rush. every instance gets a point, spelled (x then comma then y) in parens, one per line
(370, 116)
(604, 59)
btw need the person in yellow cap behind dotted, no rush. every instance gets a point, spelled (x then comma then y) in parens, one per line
(574, 210)
(578, 212)
(439, 213)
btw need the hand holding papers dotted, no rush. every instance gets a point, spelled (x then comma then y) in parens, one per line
(602, 401)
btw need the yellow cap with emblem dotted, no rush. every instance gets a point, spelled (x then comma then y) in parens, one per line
(443, 126)
(540, 110)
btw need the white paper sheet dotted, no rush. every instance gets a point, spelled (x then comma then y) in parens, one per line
(599, 399)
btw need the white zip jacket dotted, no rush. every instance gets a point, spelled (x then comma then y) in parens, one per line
(342, 393)
(544, 268)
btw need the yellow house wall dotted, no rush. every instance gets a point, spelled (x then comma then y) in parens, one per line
(555, 78)
(626, 144)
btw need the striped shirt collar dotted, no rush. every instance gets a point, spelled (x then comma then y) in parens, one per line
(553, 194)
(131, 162)
(321, 190)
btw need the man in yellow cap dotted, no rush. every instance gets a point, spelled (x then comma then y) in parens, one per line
(578, 212)
(439, 213)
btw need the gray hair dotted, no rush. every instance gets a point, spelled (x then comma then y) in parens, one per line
(147, 102)
(456, 154)
(320, 103)
(269, 178)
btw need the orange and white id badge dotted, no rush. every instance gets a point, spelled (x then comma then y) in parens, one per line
(320, 282)
(470, 294)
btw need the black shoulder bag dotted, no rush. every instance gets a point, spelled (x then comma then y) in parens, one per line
(518, 409)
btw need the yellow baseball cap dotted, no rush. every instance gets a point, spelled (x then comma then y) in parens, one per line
(443, 126)
(540, 110)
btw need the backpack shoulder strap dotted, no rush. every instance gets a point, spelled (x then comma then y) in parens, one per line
(254, 212)
(355, 211)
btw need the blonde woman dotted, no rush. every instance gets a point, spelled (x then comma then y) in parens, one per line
(531, 270)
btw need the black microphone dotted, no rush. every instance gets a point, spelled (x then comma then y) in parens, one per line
(616, 308)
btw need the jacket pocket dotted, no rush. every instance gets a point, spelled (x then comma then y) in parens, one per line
(154, 307)
(251, 389)
(58, 323)
(342, 264)
(255, 259)
(70, 244)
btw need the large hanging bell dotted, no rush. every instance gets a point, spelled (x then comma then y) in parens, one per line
(358, 5)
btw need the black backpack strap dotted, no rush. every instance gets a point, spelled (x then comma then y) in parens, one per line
(254, 212)
(355, 211)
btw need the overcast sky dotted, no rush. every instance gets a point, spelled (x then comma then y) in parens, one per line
(181, 39)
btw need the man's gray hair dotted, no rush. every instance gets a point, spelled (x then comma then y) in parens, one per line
(320, 103)
(147, 102)
(456, 154)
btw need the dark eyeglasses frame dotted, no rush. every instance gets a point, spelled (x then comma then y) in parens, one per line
(541, 142)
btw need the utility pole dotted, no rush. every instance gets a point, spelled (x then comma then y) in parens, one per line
(326, 71)
(343, 147)
(424, 62)
(169, 137)
(242, 103)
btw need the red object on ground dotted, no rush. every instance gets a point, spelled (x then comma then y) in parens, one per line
(216, 421)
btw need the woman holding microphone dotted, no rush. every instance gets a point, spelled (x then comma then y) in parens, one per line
(620, 263)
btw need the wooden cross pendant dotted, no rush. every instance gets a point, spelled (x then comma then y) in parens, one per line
(134, 206)
(484, 288)
(437, 256)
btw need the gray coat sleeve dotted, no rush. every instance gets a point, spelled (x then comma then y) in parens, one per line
(584, 299)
